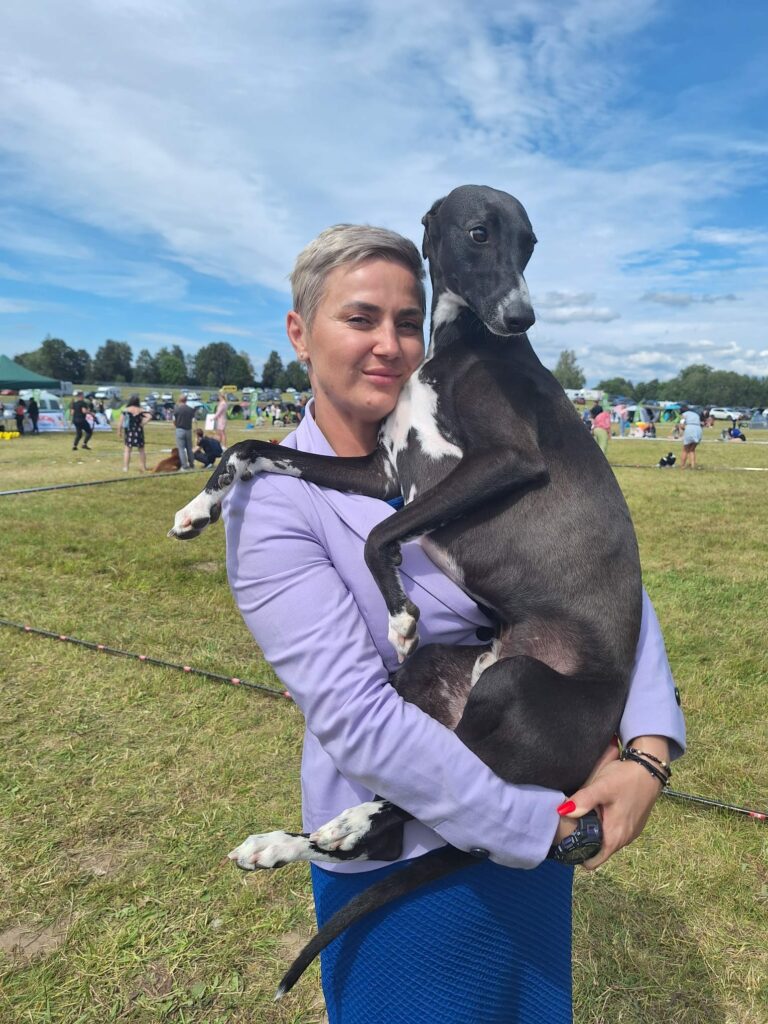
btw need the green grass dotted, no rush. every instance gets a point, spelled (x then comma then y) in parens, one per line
(122, 785)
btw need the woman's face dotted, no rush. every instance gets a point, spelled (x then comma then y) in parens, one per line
(365, 342)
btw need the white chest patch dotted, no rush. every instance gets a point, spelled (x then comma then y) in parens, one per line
(417, 410)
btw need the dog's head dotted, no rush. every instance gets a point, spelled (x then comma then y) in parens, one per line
(478, 242)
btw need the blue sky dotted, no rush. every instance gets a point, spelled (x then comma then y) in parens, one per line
(163, 161)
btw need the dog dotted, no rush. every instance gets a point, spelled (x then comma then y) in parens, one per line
(667, 460)
(169, 465)
(520, 508)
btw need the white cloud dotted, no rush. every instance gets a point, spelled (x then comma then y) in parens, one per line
(575, 314)
(226, 329)
(14, 306)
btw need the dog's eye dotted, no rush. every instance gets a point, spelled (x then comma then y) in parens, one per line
(478, 233)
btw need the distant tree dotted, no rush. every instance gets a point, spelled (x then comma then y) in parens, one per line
(617, 386)
(295, 376)
(648, 389)
(145, 370)
(271, 375)
(170, 369)
(176, 351)
(113, 362)
(56, 359)
(218, 364)
(241, 370)
(567, 371)
(86, 367)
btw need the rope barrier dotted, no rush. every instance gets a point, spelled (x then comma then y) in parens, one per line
(86, 483)
(146, 658)
(236, 681)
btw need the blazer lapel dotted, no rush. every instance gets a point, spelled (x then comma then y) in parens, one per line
(361, 513)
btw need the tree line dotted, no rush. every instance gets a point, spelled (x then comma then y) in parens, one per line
(211, 366)
(697, 384)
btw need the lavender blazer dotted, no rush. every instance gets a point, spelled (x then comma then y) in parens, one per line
(296, 569)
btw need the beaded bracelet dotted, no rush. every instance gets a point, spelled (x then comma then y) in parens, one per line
(652, 757)
(628, 754)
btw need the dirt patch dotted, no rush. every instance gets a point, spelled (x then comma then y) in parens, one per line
(25, 942)
(207, 566)
(155, 983)
(103, 862)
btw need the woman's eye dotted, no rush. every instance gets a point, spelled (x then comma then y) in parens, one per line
(478, 234)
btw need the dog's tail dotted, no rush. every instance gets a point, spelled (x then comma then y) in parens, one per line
(425, 869)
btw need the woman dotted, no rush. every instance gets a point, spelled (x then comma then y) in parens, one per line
(295, 564)
(131, 429)
(691, 424)
(220, 419)
(601, 427)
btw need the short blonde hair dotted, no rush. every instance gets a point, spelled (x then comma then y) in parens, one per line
(349, 243)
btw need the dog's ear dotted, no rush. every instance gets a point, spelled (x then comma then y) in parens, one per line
(425, 220)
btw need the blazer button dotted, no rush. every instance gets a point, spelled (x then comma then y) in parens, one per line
(479, 852)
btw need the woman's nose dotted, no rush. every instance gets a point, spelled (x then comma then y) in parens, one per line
(387, 342)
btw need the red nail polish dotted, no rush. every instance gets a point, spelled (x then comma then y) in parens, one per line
(567, 807)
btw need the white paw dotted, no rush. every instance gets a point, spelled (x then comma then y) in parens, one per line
(484, 661)
(269, 850)
(402, 634)
(347, 829)
(194, 517)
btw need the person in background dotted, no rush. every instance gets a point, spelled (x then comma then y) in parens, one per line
(183, 418)
(220, 419)
(691, 425)
(20, 411)
(33, 411)
(78, 411)
(601, 427)
(207, 449)
(131, 429)
(490, 944)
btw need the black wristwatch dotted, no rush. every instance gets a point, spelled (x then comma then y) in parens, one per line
(582, 844)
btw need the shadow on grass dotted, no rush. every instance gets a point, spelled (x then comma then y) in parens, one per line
(637, 960)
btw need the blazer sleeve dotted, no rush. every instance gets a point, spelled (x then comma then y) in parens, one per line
(652, 708)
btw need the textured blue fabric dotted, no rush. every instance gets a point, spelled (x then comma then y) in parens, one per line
(486, 945)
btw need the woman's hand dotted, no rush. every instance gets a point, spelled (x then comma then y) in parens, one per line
(623, 793)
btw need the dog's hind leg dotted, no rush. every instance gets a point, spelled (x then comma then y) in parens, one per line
(532, 724)
(369, 474)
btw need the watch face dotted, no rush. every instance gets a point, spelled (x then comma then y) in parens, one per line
(577, 853)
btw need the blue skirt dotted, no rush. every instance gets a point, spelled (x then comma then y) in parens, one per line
(486, 945)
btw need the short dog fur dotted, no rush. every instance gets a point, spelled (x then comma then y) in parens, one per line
(169, 464)
(509, 494)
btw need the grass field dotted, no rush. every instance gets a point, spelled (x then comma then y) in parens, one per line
(122, 784)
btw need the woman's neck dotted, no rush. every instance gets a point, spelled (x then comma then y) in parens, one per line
(346, 439)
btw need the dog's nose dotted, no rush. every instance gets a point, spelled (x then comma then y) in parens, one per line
(519, 322)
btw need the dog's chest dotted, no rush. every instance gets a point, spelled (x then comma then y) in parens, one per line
(412, 437)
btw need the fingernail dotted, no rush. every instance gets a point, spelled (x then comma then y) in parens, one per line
(567, 807)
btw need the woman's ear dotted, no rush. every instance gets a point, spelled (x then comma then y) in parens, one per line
(297, 335)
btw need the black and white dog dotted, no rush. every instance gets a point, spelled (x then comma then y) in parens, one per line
(515, 501)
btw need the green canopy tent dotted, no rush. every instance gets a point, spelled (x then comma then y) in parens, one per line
(14, 377)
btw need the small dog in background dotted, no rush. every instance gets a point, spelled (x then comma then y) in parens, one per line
(169, 465)
(667, 460)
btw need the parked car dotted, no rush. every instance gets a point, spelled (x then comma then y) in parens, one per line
(722, 412)
(167, 396)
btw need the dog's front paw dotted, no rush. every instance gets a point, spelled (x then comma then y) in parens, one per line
(195, 516)
(402, 631)
(269, 850)
(347, 829)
